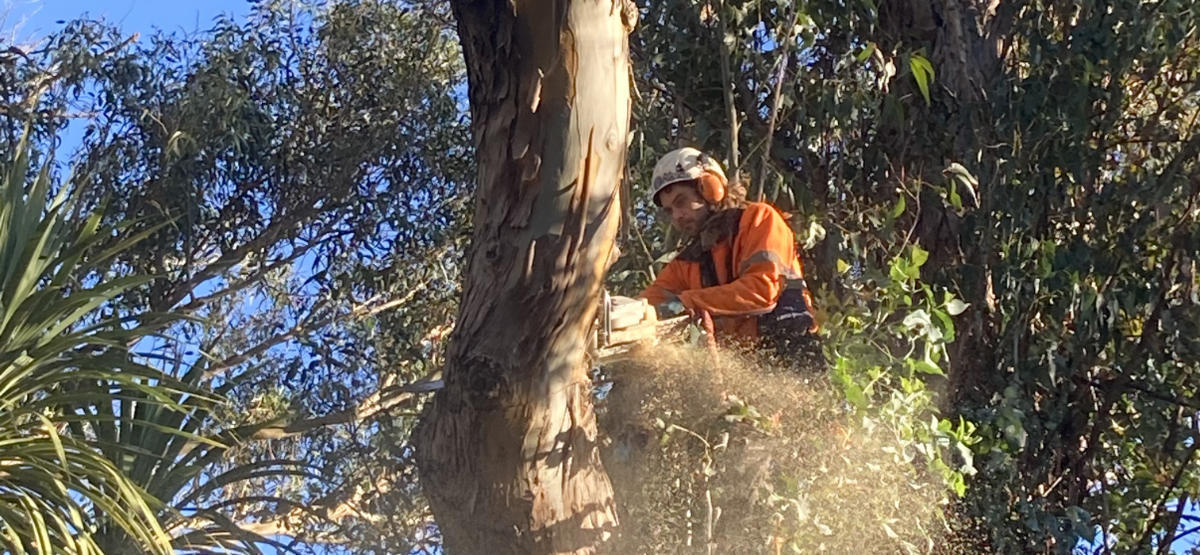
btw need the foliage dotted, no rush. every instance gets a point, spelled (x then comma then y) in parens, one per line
(1045, 158)
(313, 187)
(889, 337)
(62, 356)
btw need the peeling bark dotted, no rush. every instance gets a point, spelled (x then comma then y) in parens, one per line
(507, 450)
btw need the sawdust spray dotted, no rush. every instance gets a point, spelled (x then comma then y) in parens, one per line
(732, 455)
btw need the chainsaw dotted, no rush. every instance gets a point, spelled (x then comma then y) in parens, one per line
(626, 324)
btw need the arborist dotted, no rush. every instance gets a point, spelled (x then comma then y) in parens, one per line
(739, 262)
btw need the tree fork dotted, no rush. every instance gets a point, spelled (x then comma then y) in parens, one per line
(507, 450)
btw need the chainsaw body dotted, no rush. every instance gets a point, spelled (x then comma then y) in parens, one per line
(626, 324)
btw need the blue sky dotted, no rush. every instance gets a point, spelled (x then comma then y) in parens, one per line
(29, 19)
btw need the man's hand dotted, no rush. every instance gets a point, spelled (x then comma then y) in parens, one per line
(670, 309)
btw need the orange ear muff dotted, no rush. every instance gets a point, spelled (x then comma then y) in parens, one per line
(712, 187)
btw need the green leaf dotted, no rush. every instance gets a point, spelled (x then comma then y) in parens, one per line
(955, 198)
(1015, 433)
(927, 367)
(923, 74)
(947, 324)
(958, 484)
(852, 391)
(866, 52)
(1081, 523)
(899, 208)
(899, 271)
(871, 7)
(919, 256)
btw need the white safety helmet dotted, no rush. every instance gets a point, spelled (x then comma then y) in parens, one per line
(685, 164)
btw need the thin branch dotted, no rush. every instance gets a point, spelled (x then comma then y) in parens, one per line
(1187, 533)
(282, 524)
(645, 248)
(1165, 397)
(45, 80)
(237, 256)
(1172, 524)
(776, 101)
(248, 281)
(727, 87)
(383, 401)
(1157, 514)
(375, 404)
(364, 309)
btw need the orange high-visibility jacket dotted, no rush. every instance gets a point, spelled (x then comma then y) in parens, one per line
(764, 258)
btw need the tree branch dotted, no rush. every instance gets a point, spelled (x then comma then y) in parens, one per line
(1172, 524)
(727, 88)
(177, 292)
(382, 401)
(287, 524)
(1157, 514)
(776, 102)
(1122, 383)
(250, 280)
(375, 404)
(364, 309)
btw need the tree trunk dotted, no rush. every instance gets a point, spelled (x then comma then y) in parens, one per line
(965, 41)
(507, 450)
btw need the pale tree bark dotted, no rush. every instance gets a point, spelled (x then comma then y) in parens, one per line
(507, 450)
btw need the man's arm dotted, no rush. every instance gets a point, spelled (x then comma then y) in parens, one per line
(666, 287)
(766, 247)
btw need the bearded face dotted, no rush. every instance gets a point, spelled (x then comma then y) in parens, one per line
(683, 204)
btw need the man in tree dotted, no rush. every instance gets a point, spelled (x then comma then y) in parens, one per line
(739, 263)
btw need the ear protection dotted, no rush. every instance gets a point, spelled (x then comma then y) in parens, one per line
(711, 187)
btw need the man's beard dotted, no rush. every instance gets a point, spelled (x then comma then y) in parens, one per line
(690, 230)
(716, 225)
